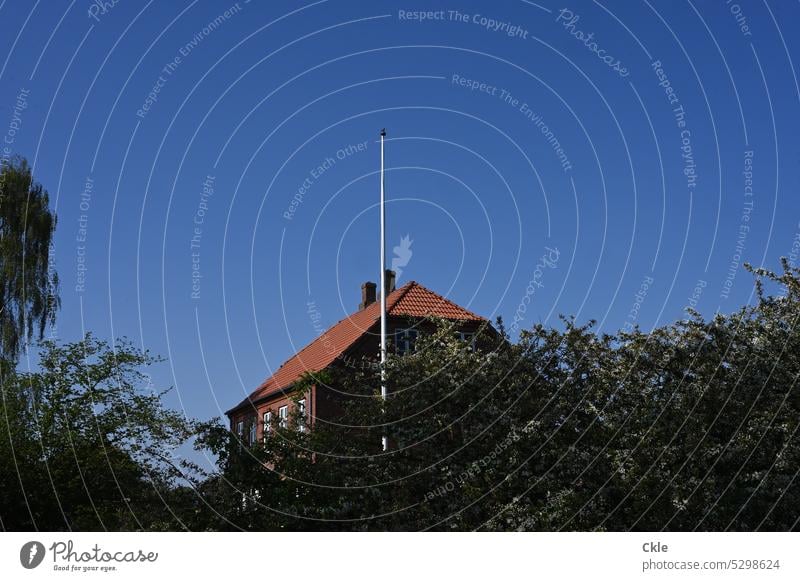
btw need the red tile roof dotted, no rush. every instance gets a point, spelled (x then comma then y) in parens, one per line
(412, 299)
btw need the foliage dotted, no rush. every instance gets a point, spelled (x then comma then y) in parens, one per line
(28, 282)
(690, 426)
(85, 443)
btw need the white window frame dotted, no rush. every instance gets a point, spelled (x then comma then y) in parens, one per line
(267, 423)
(240, 428)
(283, 416)
(253, 432)
(301, 415)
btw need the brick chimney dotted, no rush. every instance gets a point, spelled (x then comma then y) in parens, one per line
(390, 280)
(367, 295)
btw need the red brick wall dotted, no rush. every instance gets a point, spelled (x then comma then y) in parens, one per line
(324, 402)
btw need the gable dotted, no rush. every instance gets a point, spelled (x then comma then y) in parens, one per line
(412, 299)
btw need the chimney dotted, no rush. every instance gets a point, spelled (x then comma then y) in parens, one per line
(390, 279)
(367, 295)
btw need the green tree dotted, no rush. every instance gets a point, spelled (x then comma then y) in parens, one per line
(86, 444)
(28, 282)
(692, 426)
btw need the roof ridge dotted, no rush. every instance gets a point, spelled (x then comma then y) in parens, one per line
(443, 298)
(345, 332)
(402, 292)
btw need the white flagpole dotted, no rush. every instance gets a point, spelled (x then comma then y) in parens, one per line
(384, 438)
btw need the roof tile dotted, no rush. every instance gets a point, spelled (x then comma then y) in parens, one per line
(412, 299)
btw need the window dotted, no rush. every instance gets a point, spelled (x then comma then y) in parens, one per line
(240, 428)
(252, 431)
(267, 423)
(283, 416)
(404, 340)
(467, 337)
(301, 415)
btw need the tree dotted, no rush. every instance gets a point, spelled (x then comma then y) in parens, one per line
(692, 426)
(86, 444)
(28, 282)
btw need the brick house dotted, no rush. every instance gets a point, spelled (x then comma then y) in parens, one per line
(347, 342)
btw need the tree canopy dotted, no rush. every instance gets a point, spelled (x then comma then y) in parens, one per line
(86, 444)
(28, 282)
(691, 426)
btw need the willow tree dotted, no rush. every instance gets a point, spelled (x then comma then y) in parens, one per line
(28, 281)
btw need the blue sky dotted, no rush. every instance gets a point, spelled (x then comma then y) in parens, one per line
(653, 146)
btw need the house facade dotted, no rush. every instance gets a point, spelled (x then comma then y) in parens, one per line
(352, 341)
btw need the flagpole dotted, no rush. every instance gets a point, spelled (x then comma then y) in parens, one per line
(384, 438)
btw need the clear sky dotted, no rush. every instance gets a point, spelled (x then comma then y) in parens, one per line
(214, 164)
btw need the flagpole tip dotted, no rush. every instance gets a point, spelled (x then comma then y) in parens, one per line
(383, 132)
